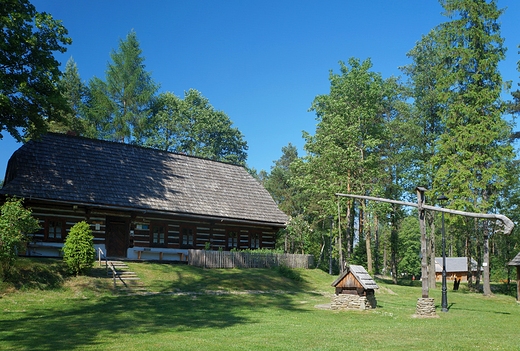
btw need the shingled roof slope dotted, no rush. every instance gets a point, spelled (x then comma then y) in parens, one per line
(455, 264)
(515, 261)
(74, 169)
(361, 275)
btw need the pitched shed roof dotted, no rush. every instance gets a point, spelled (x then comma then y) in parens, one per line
(455, 264)
(515, 261)
(360, 273)
(75, 169)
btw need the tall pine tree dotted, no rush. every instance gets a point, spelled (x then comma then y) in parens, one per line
(121, 105)
(474, 151)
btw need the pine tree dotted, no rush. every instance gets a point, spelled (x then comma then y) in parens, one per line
(121, 105)
(474, 151)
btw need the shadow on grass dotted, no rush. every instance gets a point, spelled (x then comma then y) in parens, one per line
(41, 274)
(190, 279)
(65, 323)
(78, 324)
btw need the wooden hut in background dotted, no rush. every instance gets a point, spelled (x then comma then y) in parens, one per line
(516, 262)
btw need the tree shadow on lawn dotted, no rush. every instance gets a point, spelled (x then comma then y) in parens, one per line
(255, 279)
(82, 323)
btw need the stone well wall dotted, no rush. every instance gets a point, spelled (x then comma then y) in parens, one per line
(353, 302)
(425, 307)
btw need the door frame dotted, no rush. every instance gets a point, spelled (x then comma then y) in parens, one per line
(120, 250)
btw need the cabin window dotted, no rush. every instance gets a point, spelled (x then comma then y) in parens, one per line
(187, 237)
(255, 241)
(232, 240)
(158, 234)
(55, 230)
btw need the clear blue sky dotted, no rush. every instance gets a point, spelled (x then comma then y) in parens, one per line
(261, 62)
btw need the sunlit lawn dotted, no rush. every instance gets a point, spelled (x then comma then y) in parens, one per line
(182, 312)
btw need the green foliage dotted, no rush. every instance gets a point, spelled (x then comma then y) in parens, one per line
(78, 252)
(15, 223)
(280, 183)
(29, 95)
(75, 92)
(297, 234)
(119, 107)
(192, 126)
(410, 247)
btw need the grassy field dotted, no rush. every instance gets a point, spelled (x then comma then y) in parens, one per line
(189, 308)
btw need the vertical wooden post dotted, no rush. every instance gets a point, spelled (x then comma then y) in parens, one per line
(422, 226)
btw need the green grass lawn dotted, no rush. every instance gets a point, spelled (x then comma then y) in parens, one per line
(256, 309)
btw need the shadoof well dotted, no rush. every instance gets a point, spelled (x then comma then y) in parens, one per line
(425, 304)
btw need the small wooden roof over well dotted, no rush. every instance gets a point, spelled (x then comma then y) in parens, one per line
(515, 261)
(354, 276)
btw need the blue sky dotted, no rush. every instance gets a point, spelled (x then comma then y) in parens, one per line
(261, 62)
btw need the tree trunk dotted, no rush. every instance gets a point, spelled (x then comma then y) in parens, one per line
(348, 230)
(377, 264)
(393, 246)
(431, 246)
(352, 232)
(478, 246)
(424, 257)
(486, 277)
(368, 242)
(468, 259)
(340, 242)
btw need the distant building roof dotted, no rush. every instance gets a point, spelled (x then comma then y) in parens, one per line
(360, 273)
(79, 170)
(515, 261)
(455, 264)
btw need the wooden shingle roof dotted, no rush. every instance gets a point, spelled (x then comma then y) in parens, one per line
(455, 264)
(362, 276)
(79, 170)
(515, 261)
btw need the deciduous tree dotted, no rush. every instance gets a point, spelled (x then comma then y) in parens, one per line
(15, 223)
(194, 127)
(29, 73)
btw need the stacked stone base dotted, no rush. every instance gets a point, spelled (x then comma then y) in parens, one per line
(425, 307)
(352, 302)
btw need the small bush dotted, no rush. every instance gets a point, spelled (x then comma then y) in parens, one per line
(78, 252)
(15, 223)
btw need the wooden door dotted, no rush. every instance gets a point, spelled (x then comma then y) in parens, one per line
(117, 236)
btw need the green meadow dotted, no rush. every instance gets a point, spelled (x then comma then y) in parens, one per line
(188, 308)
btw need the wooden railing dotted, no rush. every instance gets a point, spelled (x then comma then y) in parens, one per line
(238, 259)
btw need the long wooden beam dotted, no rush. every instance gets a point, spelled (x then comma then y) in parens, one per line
(508, 224)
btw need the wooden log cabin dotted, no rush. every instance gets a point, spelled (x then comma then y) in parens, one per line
(141, 203)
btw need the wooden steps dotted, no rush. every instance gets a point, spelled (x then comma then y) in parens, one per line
(124, 279)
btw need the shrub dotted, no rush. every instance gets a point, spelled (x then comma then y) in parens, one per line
(15, 223)
(78, 252)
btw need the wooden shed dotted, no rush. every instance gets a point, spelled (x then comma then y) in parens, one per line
(456, 269)
(355, 288)
(516, 262)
